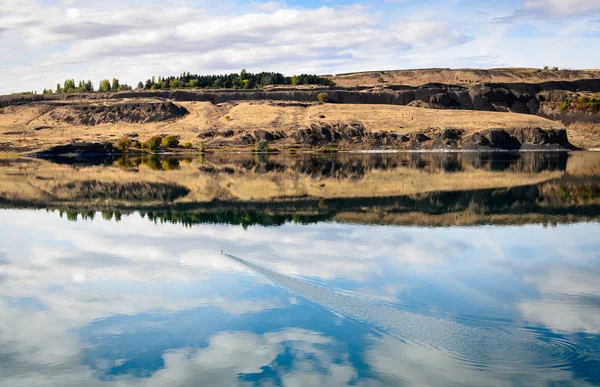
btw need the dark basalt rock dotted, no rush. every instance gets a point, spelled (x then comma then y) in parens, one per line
(227, 133)
(420, 137)
(501, 139)
(350, 132)
(448, 138)
(260, 135)
(78, 149)
(134, 112)
(476, 140)
(519, 138)
(443, 100)
(451, 134)
(208, 133)
(247, 139)
(323, 134)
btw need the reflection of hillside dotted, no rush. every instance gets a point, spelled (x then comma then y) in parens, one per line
(562, 201)
(408, 188)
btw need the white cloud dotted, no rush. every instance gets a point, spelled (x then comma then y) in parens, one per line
(560, 8)
(231, 354)
(268, 6)
(415, 364)
(48, 42)
(563, 315)
(433, 34)
(567, 300)
(125, 41)
(552, 10)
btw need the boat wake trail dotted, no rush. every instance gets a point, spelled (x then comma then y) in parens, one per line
(478, 346)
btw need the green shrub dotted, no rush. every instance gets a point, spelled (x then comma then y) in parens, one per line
(292, 151)
(582, 103)
(170, 142)
(153, 143)
(323, 97)
(188, 145)
(123, 144)
(263, 146)
(228, 118)
(202, 147)
(380, 79)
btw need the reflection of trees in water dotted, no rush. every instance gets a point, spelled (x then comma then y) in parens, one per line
(154, 162)
(355, 166)
(244, 218)
(233, 217)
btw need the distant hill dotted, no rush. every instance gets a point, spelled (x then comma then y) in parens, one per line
(464, 77)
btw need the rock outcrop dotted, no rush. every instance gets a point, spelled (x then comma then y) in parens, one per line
(353, 135)
(132, 112)
(516, 97)
(77, 149)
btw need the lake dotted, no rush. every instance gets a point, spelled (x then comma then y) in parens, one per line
(411, 269)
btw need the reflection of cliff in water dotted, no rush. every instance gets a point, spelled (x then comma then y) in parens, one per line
(344, 166)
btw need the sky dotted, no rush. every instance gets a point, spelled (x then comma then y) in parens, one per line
(43, 42)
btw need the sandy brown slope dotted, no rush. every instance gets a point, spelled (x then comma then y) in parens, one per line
(37, 126)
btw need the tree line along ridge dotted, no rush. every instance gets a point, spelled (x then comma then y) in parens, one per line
(242, 80)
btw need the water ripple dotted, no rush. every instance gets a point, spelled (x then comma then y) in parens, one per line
(497, 344)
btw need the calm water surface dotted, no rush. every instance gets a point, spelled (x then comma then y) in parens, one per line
(477, 270)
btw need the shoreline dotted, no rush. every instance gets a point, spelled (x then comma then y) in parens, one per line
(302, 152)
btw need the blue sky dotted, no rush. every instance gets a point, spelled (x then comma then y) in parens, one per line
(43, 42)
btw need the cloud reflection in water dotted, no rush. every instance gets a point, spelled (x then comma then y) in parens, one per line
(140, 303)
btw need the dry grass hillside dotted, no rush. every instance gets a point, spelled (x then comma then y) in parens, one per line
(584, 135)
(464, 77)
(33, 127)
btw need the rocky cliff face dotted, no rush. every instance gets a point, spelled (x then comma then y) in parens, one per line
(354, 136)
(136, 112)
(516, 97)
